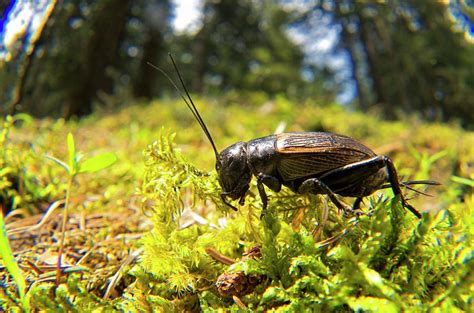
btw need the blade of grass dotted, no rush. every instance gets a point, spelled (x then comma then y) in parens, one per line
(11, 265)
(463, 180)
(63, 229)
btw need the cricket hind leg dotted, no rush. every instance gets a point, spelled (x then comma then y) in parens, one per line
(392, 176)
(395, 183)
(316, 186)
(358, 180)
(356, 204)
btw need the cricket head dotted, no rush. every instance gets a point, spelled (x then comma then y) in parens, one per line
(233, 172)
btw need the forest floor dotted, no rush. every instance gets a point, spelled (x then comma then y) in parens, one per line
(121, 207)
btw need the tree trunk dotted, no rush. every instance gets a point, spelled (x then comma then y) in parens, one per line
(146, 78)
(101, 51)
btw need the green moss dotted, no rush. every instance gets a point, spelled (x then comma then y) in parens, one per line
(312, 257)
(390, 259)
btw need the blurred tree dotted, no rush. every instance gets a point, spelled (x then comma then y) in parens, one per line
(407, 56)
(87, 49)
(222, 48)
(15, 60)
(277, 62)
(147, 40)
(74, 57)
(244, 46)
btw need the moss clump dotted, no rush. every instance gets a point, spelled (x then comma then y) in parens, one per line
(390, 260)
(311, 257)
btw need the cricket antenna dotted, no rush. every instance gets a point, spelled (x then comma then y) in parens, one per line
(189, 103)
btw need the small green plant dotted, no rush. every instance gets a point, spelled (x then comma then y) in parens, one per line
(426, 162)
(77, 165)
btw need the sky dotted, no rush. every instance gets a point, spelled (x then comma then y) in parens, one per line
(18, 18)
(188, 13)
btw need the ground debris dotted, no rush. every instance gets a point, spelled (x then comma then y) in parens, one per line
(96, 244)
(237, 283)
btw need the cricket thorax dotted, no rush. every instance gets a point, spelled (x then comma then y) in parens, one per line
(262, 156)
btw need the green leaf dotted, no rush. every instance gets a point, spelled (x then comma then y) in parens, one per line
(437, 156)
(465, 256)
(342, 253)
(59, 162)
(26, 118)
(71, 148)
(372, 304)
(463, 180)
(376, 280)
(11, 265)
(5, 171)
(97, 163)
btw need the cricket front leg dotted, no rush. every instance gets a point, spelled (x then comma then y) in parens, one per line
(263, 195)
(271, 182)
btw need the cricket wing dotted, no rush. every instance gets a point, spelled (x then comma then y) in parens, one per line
(311, 153)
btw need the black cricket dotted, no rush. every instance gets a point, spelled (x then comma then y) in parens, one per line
(305, 162)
